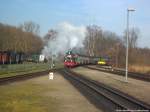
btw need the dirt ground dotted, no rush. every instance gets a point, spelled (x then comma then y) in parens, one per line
(136, 88)
(43, 95)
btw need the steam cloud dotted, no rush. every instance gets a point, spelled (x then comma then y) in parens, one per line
(68, 37)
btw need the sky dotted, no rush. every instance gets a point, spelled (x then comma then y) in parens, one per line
(109, 14)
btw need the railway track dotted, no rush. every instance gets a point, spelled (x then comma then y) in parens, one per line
(6, 80)
(115, 71)
(103, 96)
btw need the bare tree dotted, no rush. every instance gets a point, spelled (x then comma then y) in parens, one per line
(14, 39)
(91, 40)
(30, 27)
(51, 35)
(133, 37)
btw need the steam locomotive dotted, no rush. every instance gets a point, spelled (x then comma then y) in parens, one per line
(72, 60)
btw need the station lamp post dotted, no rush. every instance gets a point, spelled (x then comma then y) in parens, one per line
(127, 42)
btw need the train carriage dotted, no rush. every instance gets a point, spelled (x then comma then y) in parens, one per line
(72, 60)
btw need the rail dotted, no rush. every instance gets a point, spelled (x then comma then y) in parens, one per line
(115, 98)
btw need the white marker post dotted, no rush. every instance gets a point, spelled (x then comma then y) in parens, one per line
(51, 76)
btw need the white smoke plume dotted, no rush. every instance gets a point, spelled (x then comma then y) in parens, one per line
(68, 37)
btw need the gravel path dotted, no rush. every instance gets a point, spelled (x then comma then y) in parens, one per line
(69, 98)
(137, 88)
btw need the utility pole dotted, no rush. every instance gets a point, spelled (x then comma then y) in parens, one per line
(127, 43)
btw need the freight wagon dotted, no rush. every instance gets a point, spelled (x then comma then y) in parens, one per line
(8, 57)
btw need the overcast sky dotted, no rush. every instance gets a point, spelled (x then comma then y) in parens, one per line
(109, 14)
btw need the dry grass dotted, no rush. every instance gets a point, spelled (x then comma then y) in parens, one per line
(43, 95)
(140, 69)
(26, 97)
(19, 69)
